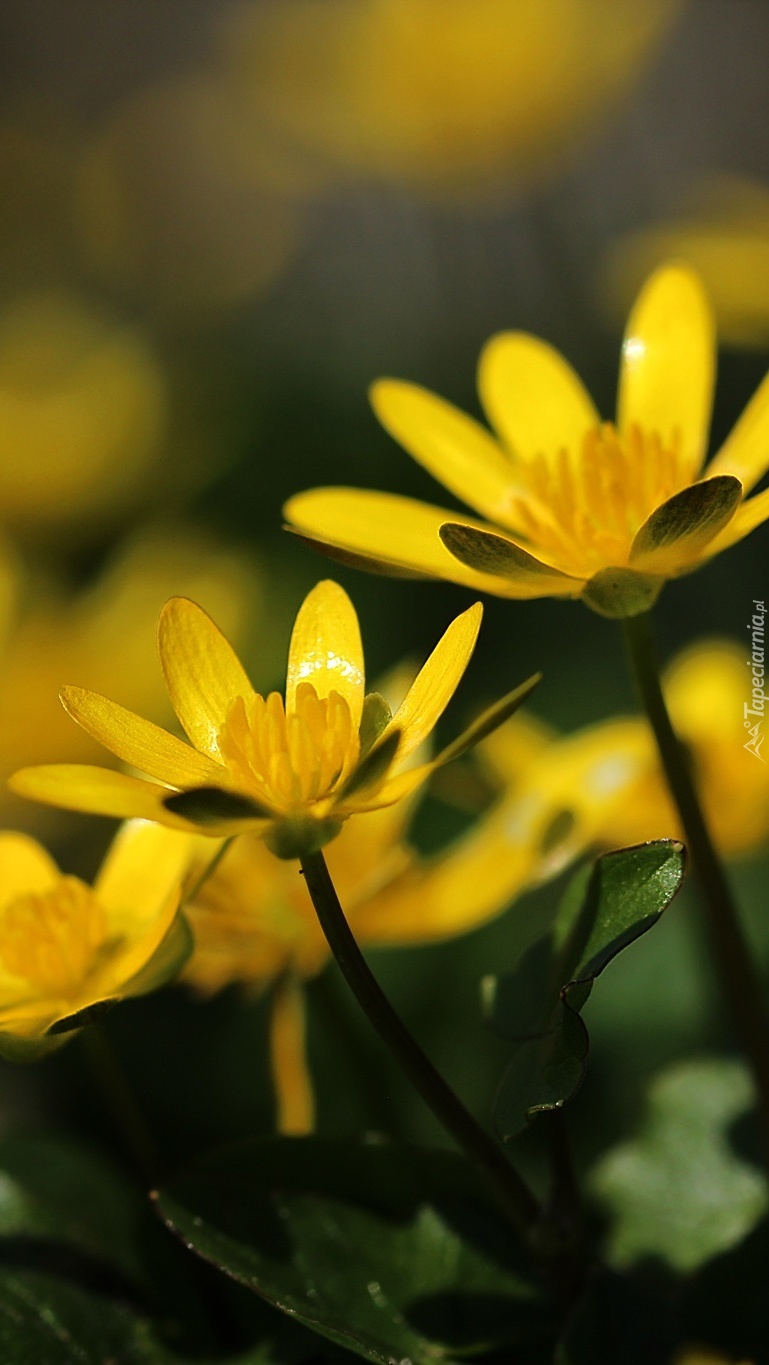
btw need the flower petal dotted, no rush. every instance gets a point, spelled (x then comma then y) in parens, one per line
(146, 864)
(456, 450)
(434, 685)
(202, 671)
(678, 531)
(489, 553)
(384, 533)
(97, 791)
(533, 397)
(326, 649)
(748, 516)
(668, 361)
(138, 742)
(402, 784)
(25, 866)
(745, 452)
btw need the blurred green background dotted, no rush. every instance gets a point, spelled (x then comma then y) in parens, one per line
(221, 221)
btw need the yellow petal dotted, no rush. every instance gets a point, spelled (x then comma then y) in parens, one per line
(533, 397)
(745, 452)
(488, 552)
(677, 532)
(748, 516)
(97, 791)
(434, 685)
(384, 533)
(668, 359)
(326, 649)
(457, 451)
(25, 866)
(146, 864)
(138, 742)
(202, 671)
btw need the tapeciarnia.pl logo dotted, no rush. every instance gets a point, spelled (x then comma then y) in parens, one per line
(756, 707)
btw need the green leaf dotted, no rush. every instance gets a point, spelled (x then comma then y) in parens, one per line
(394, 1253)
(606, 907)
(679, 1192)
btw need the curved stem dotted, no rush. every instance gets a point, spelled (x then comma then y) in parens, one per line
(734, 965)
(513, 1194)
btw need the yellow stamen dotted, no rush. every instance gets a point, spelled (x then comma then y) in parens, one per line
(51, 938)
(583, 513)
(289, 762)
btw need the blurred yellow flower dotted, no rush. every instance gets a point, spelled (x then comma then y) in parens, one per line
(723, 231)
(67, 949)
(294, 770)
(180, 200)
(578, 507)
(451, 95)
(82, 410)
(254, 924)
(607, 777)
(103, 635)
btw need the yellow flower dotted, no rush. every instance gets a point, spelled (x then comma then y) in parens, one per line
(291, 770)
(577, 507)
(607, 777)
(254, 924)
(68, 949)
(456, 96)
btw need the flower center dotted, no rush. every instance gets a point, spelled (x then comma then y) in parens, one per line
(584, 513)
(50, 938)
(288, 762)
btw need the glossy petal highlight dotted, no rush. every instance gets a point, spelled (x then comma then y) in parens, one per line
(668, 360)
(326, 649)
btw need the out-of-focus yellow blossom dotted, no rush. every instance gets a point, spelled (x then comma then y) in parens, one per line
(577, 507)
(607, 777)
(291, 770)
(104, 636)
(82, 410)
(723, 231)
(182, 202)
(254, 924)
(703, 1356)
(67, 949)
(450, 95)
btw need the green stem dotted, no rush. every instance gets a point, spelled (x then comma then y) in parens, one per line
(121, 1101)
(734, 965)
(513, 1194)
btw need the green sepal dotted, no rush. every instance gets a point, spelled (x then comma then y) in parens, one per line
(489, 720)
(492, 553)
(373, 768)
(289, 839)
(679, 1192)
(619, 592)
(214, 806)
(90, 1014)
(605, 908)
(694, 514)
(374, 720)
(392, 1252)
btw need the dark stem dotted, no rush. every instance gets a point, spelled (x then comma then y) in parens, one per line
(736, 972)
(513, 1194)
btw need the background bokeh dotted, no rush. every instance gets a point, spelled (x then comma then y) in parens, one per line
(222, 219)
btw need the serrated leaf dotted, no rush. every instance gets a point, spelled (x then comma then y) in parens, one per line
(605, 908)
(394, 1253)
(679, 1192)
